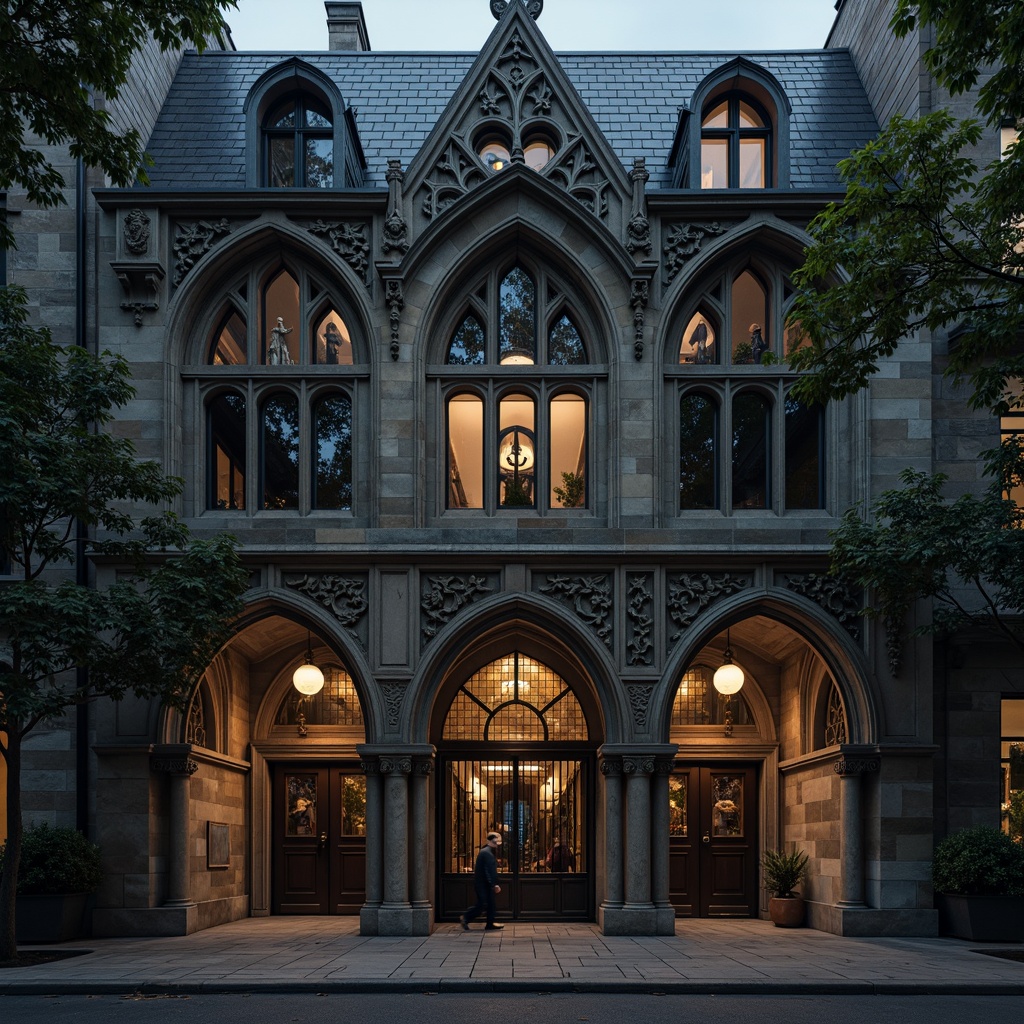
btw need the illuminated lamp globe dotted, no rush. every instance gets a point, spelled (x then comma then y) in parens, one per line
(308, 680)
(728, 678)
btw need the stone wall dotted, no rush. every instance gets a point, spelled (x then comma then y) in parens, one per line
(810, 822)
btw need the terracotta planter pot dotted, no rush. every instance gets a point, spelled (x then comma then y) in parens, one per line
(981, 918)
(787, 911)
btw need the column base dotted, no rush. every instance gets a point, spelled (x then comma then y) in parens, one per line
(402, 921)
(636, 920)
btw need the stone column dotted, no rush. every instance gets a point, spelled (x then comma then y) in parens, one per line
(418, 782)
(851, 852)
(396, 824)
(374, 846)
(659, 831)
(611, 769)
(638, 831)
(180, 770)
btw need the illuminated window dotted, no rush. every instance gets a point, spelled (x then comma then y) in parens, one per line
(336, 704)
(1012, 761)
(698, 703)
(735, 144)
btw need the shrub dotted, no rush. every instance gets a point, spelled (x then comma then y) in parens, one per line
(56, 861)
(783, 872)
(979, 861)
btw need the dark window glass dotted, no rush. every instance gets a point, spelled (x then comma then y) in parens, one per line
(518, 318)
(804, 450)
(227, 452)
(750, 439)
(698, 452)
(565, 346)
(299, 145)
(332, 479)
(467, 344)
(279, 429)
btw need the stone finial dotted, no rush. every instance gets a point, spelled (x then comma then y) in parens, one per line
(533, 8)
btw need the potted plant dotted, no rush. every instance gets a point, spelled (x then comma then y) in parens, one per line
(978, 874)
(59, 870)
(783, 872)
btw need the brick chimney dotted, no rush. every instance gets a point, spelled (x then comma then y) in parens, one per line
(346, 26)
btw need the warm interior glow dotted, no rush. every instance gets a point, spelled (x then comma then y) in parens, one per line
(728, 678)
(308, 680)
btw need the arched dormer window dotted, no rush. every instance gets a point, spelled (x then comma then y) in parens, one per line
(298, 144)
(735, 144)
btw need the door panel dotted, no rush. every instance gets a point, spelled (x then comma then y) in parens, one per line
(713, 841)
(319, 848)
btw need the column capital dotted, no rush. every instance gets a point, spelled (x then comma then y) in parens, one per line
(664, 765)
(639, 764)
(611, 767)
(396, 765)
(422, 765)
(370, 765)
(175, 766)
(849, 766)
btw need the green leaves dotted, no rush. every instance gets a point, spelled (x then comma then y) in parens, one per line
(58, 60)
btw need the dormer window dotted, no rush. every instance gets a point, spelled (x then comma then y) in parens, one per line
(298, 143)
(735, 144)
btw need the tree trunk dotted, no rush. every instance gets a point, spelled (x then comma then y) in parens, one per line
(9, 876)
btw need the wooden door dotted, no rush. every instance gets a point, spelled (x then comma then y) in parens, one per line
(319, 847)
(713, 842)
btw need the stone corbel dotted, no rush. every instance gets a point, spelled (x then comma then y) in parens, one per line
(137, 267)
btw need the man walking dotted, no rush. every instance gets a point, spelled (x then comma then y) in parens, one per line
(485, 882)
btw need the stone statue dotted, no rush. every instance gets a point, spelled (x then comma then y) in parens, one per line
(332, 343)
(699, 337)
(279, 354)
(758, 346)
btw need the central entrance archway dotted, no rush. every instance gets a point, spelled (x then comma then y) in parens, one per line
(515, 757)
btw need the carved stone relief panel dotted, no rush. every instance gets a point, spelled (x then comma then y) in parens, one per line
(343, 596)
(840, 600)
(349, 241)
(681, 242)
(192, 241)
(640, 618)
(639, 702)
(690, 593)
(442, 597)
(589, 597)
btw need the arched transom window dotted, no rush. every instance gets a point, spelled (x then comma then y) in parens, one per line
(515, 699)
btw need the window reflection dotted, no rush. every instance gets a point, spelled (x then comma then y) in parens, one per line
(280, 315)
(518, 324)
(467, 344)
(804, 455)
(565, 346)
(229, 343)
(750, 436)
(517, 452)
(333, 345)
(749, 318)
(735, 145)
(227, 452)
(332, 485)
(698, 452)
(280, 452)
(698, 341)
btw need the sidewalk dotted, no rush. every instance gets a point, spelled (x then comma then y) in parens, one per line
(322, 954)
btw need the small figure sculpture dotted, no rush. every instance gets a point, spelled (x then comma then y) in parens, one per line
(699, 337)
(332, 343)
(758, 346)
(279, 354)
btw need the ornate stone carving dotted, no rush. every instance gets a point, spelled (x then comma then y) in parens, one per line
(835, 718)
(444, 596)
(395, 228)
(642, 764)
(683, 243)
(533, 8)
(691, 593)
(136, 232)
(370, 766)
(343, 596)
(394, 694)
(176, 765)
(855, 766)
(611, 767)
(639, 700)
(894, 640)
(578, 172)
(400, 764)
(138, 308)
(641, 623)
(396, 303)
(664, 765)
(639, 227)
(457, 172)
(639, 293)
(193, 241)
(195, 724)
(422, 765)
(590, 597)
(837, 598)
(348, 241)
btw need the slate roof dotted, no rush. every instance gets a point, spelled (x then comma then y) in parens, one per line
(199, 139)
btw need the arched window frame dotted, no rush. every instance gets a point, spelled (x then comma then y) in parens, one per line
(307, 382)
(490, 381)
(296, 139)
(710, 295)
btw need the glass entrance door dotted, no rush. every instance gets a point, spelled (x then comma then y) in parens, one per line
(540, 806)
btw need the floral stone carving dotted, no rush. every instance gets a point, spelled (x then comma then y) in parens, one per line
(837, 598)
(343, 596)
(590, 597)
(193, 241)
(348, 241)
(683, 243)
(691, 593)
(641, 623)
(445, 596)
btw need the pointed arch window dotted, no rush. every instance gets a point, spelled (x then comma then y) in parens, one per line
(735, 143)
(298, 144)
(515, 412)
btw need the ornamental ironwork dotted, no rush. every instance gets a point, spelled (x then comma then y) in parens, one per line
(684, 242)
(193, 241)
(640, 620)
(195, 724)
(444, 597)
(691, 593)
(840, 600)
(590, 597)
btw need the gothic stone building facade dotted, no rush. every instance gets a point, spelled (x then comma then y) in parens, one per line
(482, 357)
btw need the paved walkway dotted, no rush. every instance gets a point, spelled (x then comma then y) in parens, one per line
(320, 954)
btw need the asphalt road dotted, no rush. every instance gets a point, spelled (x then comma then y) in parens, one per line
(512, 1008)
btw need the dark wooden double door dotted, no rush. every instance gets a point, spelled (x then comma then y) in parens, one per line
(319, 849)
(713, 841)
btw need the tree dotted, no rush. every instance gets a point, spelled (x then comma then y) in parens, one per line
(65, 493)
(56, 57)
(925, 238)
